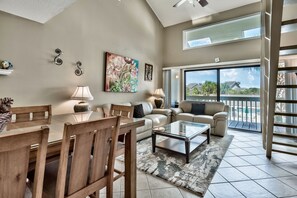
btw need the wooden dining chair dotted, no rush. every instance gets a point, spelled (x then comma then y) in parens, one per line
(14, 162)
(122, 110)
(90, 166)
(30, 116)
(125, 112)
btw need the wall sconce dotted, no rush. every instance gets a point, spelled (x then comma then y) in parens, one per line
(78, 71)
(58, 60)
(176, 76)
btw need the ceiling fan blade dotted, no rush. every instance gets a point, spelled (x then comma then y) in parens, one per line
(179, 3)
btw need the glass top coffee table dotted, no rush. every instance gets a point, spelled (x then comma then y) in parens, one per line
(183, 137)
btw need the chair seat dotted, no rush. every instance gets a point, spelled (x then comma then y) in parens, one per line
(50, 178)
(185, 117)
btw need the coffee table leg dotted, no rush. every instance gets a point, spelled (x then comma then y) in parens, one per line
(187, 144)
(208, 136)
(153, 142)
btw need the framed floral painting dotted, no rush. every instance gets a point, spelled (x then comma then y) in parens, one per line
(121, 73)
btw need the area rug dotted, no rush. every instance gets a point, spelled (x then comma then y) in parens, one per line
(194, 176)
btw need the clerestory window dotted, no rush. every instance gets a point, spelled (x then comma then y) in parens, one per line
(247, 27)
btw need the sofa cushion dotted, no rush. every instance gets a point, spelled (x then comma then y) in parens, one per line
(138, 111)
(186, 106)
(198, 109)
(206, 119)
(148, 124)
(185, 116)
(147, 106)
(212, 108)
(157, 119)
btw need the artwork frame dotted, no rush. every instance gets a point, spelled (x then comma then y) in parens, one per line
(121, 73)
(148, 72)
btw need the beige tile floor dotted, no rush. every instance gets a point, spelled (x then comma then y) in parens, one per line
(244, 172)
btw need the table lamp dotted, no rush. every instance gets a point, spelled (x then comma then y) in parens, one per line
(159, 94)
(82, 93)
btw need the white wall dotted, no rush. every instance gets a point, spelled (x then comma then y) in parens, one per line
(83, 32)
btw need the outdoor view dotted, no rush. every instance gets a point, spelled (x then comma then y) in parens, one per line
(239, 88)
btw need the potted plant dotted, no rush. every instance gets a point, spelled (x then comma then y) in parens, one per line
(5, 114)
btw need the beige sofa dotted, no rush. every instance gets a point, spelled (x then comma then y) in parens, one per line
(215, 114)
(153, 117)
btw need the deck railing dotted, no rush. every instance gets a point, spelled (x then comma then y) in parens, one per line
(243, 108)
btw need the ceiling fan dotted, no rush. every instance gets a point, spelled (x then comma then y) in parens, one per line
(203, 3)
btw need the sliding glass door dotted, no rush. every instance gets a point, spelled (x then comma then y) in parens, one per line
(238, 87)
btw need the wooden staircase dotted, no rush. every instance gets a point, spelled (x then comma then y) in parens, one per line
(279, 132)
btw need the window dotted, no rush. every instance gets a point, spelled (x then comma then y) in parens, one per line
(201, 85)
(255, 32)
(239, 29)
(199, 42)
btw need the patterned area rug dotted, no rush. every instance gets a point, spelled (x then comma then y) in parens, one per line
(194, 176)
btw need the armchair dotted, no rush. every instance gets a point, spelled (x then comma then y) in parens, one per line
(215, 114)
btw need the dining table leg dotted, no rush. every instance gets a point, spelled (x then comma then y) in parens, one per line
(130, 164)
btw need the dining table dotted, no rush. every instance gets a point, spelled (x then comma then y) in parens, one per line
(56, 126)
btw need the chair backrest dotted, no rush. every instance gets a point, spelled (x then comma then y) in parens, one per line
(121, 110)
(88, 174)
(30, 116)
(14, 162)
(211, 108)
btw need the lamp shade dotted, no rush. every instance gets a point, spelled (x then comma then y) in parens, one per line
(159, 93)
(82, 93)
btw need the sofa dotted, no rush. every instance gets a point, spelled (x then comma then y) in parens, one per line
(152, 117)
(213, 113)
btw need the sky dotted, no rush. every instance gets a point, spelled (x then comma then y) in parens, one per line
(248, 77)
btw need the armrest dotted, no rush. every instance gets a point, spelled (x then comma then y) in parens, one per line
(226, 108)
(220, 115)
(176, 111)
(166, 112)
(100, 110)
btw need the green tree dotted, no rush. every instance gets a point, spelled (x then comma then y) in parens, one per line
(209, 87)
(225, 88)
(188, 92)
(195, 91)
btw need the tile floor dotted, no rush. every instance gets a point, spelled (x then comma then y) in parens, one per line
(244, 172)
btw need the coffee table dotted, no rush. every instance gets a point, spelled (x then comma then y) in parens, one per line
(183, 137)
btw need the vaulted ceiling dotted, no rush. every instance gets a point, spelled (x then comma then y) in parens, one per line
(169, 15)
(36, 10)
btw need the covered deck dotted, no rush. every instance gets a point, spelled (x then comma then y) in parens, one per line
(249, 126)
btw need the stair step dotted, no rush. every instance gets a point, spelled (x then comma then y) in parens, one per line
(289, 22)
(284, 135)
(285, 144)
(286, 140)
(286, 152)
(285, 125)
(285, 114)
(291, 47)
(286, 101)
(287, 69)
(286, 86)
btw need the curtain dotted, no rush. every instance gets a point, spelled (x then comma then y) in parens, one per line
(167, 87)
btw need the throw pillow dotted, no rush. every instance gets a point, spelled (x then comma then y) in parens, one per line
(198, 109)
(138, 111)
